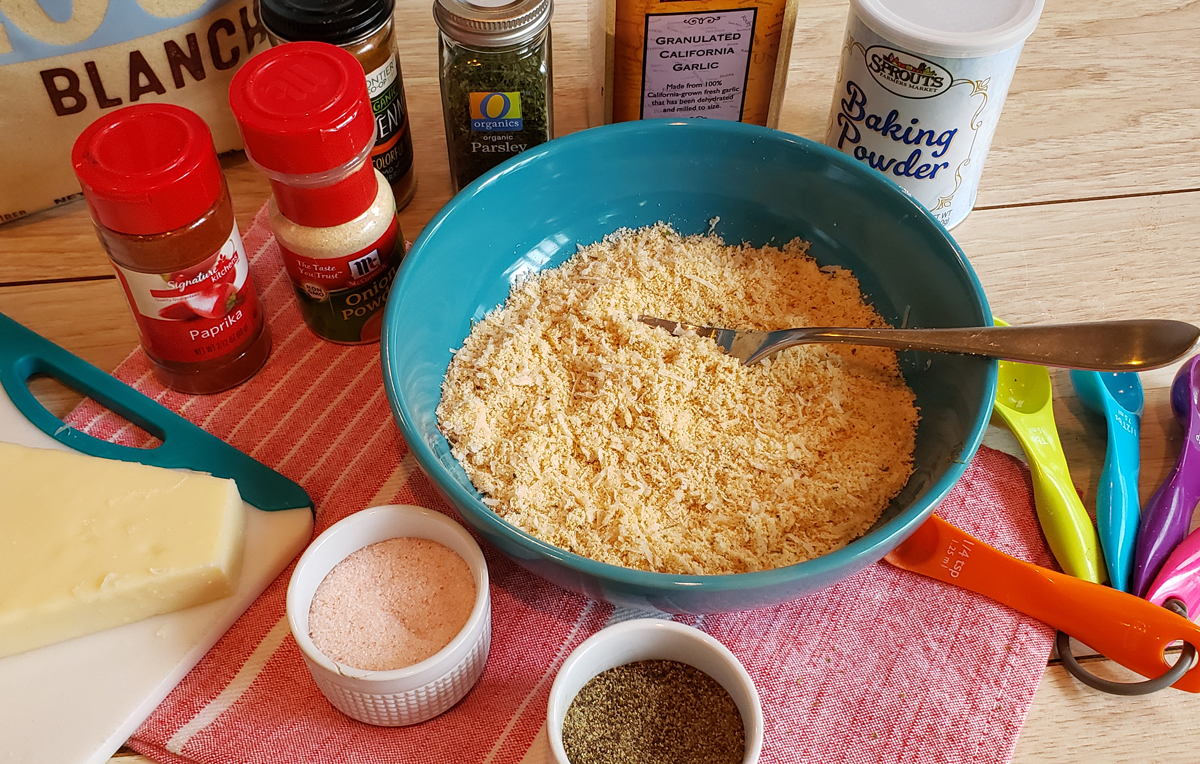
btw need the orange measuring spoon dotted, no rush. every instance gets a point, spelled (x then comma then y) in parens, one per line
(1120, 626)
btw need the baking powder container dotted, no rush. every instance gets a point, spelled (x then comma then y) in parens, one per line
(920, 89)
(412, 694)
(650, 639)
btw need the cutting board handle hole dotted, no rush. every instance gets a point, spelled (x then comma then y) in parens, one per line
(60, 400)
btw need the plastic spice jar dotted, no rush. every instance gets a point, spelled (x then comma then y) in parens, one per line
(161, 208)
(920, 90)
(365, 29)
(496, 77)
(307, 124)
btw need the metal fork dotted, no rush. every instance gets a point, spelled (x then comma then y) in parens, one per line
(1132, 345)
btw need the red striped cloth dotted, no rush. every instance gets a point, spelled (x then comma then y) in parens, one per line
(886, 666)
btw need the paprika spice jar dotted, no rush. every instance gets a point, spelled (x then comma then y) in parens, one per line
(307, 124)
(161, 208)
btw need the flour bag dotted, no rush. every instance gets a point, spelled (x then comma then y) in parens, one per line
(65, 62)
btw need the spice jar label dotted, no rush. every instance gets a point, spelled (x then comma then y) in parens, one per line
(704, 59)
(696, 63)
(342, 298)
(924, 121)
(393, 152)
(494, 120)
(197, 313)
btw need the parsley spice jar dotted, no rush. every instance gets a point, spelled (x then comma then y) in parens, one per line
(307, 124)
(365, 29)
(496, 78)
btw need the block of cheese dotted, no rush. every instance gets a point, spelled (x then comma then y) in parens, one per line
(88, 544)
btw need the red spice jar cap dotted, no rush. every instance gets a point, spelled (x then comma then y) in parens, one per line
(302, 108)
(147, 168)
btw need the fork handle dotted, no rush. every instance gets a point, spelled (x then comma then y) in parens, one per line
(1128, 345)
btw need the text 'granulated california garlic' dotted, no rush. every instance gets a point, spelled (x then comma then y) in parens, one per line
(622, 443)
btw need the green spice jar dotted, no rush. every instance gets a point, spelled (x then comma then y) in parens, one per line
(496, 81)
(365, 29)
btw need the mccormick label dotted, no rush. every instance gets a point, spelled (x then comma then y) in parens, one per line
(342, 298)
(925, 122)
(197, 313)
(393, 152)
(696, 64)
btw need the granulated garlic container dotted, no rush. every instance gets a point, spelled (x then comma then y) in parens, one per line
(920, 89)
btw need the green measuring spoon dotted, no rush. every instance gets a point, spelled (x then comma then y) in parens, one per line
(1024, 403)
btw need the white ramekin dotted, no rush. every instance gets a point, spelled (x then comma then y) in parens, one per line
(647, 639)
(415, 693)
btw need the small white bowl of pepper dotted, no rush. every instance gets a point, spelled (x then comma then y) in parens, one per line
(651, 691)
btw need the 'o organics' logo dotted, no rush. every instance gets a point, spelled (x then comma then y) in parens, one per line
(496, 111)
(906, 75)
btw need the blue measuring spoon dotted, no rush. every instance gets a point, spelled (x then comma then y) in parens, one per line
(1168, 514)
(1119, 398)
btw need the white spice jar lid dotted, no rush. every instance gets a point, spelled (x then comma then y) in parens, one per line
(951, 28)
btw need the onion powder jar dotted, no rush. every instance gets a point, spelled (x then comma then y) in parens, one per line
(920, 88)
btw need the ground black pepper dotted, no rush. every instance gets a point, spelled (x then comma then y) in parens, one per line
(653, 712)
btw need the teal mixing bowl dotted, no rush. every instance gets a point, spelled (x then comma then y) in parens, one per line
(765, 186)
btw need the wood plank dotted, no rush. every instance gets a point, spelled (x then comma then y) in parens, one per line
(1098, 116)
(1100, 104)
(1079, 96)
(1090, 261)
(90, 319)
(1073, 724)
(60, 244)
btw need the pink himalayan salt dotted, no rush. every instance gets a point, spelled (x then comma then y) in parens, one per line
(391, 604)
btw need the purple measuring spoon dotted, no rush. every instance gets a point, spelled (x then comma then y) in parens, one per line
(1168, 515)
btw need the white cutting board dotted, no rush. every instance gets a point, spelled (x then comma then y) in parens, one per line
(78, 701)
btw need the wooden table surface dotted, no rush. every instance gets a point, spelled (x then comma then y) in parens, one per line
(1089, 209)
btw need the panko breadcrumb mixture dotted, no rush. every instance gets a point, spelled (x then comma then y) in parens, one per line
(620, 442)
